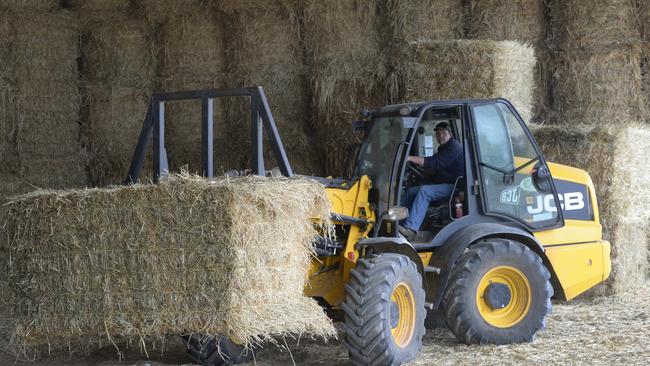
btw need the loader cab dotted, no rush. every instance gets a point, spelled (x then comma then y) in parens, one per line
(505, 178)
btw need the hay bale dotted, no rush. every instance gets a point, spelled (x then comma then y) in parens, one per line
(8, 151)
(430, 70)
(524, 21)
(347, 70)
(46, 100)
(601, 87)
(31, 5)
(615, 158)
(644, 17)
(161, 11)
(191, 58)
(119, 77)
(519, 20)
(140, 262)
(591, 25)
(268, 52)
(413, 20)
(99, 8)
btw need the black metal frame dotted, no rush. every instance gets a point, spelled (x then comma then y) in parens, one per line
(154, 126)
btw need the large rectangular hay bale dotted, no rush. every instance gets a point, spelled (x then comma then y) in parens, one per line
(413, 20)
(347, 70)
(599, 87)
(268, 52)
(133, 263)
(593, 24)
(429, 70)
(501, 20)
(615, 158)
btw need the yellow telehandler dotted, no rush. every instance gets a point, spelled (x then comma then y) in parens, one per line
(516, 231)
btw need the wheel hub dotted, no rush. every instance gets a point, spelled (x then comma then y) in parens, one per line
(497, 295)
(394, 314)
(402, 315)
(503, 296)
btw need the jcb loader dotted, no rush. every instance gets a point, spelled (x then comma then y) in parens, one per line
(516, 232)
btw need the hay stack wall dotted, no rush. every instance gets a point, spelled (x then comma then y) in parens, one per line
(268, 52)
(524, 21)
(144, 261)
(191, 57)
(119, 75)
(467, 69)
(45, 98)
(612, 157)
(598, 80)
(347, 71)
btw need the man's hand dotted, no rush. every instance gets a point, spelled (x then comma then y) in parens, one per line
(418, 160)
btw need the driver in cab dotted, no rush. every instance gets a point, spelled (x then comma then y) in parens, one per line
(447, 164)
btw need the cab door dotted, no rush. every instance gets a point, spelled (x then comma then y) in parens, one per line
(513, 178)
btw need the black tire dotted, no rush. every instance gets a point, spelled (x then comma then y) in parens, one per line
(463, 298)
(370, 313)
(216, 351)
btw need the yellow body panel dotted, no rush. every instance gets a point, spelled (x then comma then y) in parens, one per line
(327, 278)
(578, 255)
(580, 266)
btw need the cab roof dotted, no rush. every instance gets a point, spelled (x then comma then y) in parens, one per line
(417, 106)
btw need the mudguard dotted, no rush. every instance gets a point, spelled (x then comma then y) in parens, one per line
(397, 245)
(445, 257)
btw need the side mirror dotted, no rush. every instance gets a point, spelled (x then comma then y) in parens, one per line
(541, 178)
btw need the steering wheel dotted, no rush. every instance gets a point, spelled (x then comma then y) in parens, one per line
(413, 168)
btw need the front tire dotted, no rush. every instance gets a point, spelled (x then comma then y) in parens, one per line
(499, 292)
(216, 351)
(384, 311)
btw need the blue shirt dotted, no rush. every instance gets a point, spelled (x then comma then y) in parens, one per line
(448, 162)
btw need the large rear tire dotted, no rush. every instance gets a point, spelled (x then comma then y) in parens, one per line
(216, 351)
(384, 311)
(499, 292)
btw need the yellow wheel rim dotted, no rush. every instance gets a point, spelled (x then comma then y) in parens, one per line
(520, 297)
(403, 302)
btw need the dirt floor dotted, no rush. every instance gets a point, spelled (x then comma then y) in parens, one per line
(613, 330)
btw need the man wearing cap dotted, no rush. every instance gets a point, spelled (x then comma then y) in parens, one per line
(448, 164)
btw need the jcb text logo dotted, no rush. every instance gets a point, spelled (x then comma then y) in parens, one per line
(568, 201)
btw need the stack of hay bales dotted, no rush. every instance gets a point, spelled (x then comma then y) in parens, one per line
(44, 96)
(598, 79)
(143, 261)
(190, 57)
(467, 69)
(119, 75)
(347, 70)
(615, 158)
(264, 48)
(522, 20)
